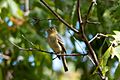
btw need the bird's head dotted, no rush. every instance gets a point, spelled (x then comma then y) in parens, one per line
(52, 30)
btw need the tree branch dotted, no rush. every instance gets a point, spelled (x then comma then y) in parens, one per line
(31, 49)
(78, 12)
(59, 18)
(35, 49)
(83, 34)
(79, 17)
(84, 38)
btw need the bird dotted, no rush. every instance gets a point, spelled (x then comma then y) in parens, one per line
(55, 42)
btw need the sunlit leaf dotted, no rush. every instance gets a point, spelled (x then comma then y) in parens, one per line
(3, 4)
(14, 9)
(116, 52)
(117, 35)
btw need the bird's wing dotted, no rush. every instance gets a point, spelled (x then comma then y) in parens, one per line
(61, 42)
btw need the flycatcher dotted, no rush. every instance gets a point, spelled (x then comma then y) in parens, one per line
(56, 43)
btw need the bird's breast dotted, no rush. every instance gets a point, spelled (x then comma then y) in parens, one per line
(53, 42)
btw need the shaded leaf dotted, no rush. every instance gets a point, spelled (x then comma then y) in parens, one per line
(104, 60)
(1, 76)
(117, 73)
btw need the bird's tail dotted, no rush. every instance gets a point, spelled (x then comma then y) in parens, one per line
(64, 63)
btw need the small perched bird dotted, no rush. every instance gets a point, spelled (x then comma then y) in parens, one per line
(56, 43)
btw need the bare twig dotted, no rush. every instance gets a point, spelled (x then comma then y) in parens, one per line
(38, 20)
(35, 49)
(30, 49)
(73, 54)
(28, 40)
(97, 36)
(78, 12)
(93, 22)
(79, 17)
(59, 18)
(86, 17)
(44, 19)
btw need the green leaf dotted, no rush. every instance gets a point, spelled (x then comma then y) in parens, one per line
(106, 56)
(117, 35)
(117, 73)
(116, 41)
(1, 76)
(3, 4)
(116, 52)
(14, 9)
(105, 59)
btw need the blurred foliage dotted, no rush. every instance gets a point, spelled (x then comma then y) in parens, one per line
(24, 24)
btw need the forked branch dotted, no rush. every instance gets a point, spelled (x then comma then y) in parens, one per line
(84, 38)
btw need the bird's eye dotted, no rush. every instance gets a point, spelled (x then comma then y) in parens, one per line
(52, 28)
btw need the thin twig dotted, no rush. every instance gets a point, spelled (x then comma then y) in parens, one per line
(60, 18)
(30, 49)
(86, 17)
(35, 49)
(28, 40)
(79, 17)
(97, 36)
(73, 54)
(78, 12)
(45, 19)
(93, 22)
(38, 20)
